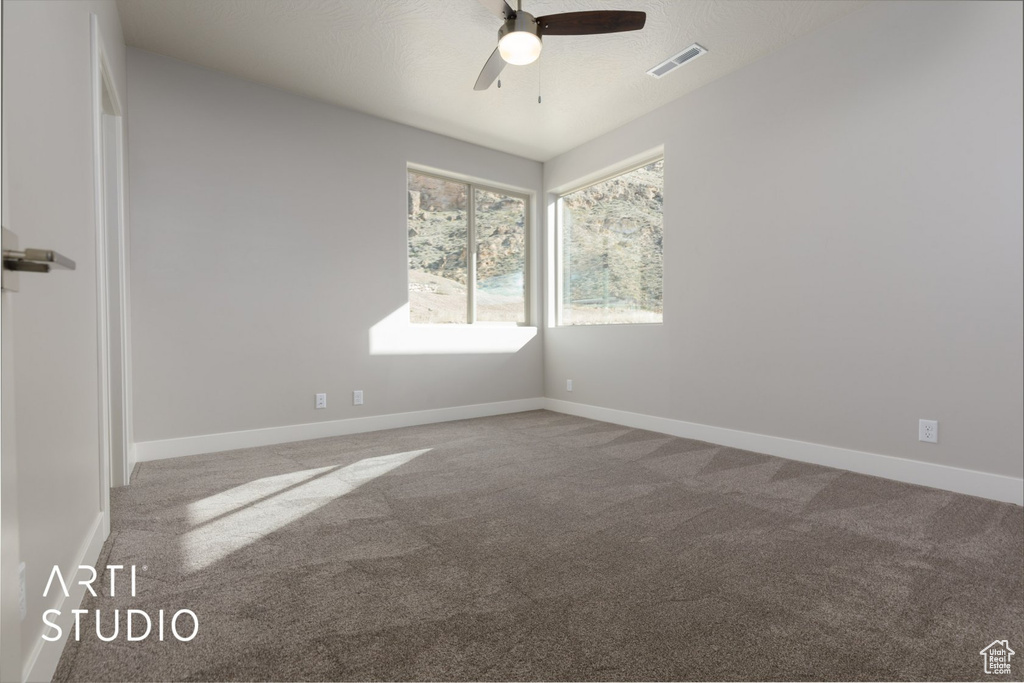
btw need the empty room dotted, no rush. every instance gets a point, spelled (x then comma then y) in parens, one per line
(552, 340)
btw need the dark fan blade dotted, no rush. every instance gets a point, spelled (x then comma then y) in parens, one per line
(490, 71)
(586, 23)
(499, 7)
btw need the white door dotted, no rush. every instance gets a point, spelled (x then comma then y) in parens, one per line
(10, 573)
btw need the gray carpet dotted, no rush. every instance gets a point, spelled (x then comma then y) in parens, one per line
(539, 546)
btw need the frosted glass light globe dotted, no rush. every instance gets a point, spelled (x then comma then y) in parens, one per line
(519, 47)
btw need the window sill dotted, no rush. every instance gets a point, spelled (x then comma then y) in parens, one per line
(602, 325)
(396, 336)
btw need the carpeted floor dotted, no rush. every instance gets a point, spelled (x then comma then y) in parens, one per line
(539, 546)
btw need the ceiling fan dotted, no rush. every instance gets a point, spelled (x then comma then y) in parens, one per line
(519, 38)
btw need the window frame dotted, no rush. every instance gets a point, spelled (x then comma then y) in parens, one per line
(472, 185)
(559, 260)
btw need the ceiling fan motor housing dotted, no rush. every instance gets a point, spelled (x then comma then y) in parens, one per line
(522, 21)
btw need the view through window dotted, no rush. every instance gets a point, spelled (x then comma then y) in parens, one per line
(467, 252)
(611, 249)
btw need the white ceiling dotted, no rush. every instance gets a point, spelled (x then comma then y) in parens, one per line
(415, 61)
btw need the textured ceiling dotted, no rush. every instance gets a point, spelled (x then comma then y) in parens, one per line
(415, 62)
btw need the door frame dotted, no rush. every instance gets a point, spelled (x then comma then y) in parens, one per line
(114, 468)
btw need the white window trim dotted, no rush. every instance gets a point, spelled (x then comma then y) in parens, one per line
(560, 193)
(495, 188)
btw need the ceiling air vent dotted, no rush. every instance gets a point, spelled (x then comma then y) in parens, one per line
(688, 55)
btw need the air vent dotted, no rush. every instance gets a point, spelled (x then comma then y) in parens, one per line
(688, 55)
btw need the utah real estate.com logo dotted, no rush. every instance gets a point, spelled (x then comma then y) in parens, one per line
(997, 657)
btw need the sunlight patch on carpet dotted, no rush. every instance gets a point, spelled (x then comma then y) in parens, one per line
(250, 512)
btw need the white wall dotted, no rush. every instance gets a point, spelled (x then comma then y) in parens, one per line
(268, 238)
(48, 129)
(842, 244)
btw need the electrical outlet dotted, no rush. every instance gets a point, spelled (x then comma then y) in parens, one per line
(321, 401)
(928, 430)
(357, 397)
(568, 385)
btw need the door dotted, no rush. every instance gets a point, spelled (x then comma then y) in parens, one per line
(10, 572)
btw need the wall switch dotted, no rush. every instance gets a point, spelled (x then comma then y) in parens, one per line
(321, 401)
(357, 397)
(928, 430)
(568, 385)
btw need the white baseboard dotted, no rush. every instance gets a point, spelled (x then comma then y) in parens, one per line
(974, 483)
(971, 482)
(45, 655)
(227, 441)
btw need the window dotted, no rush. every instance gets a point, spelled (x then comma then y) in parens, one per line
(611, 251)
(448, 220)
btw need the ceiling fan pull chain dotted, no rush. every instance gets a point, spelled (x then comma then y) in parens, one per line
(538, 82)
(499, 82)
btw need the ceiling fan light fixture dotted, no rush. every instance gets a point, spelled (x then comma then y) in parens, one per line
(519, 38)
(520, 47)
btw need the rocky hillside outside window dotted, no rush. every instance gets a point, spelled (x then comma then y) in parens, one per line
(467, 252)
(611, 249)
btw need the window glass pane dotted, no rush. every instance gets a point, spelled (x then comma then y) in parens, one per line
(438, 244)
(500, 257)
(611, 250)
